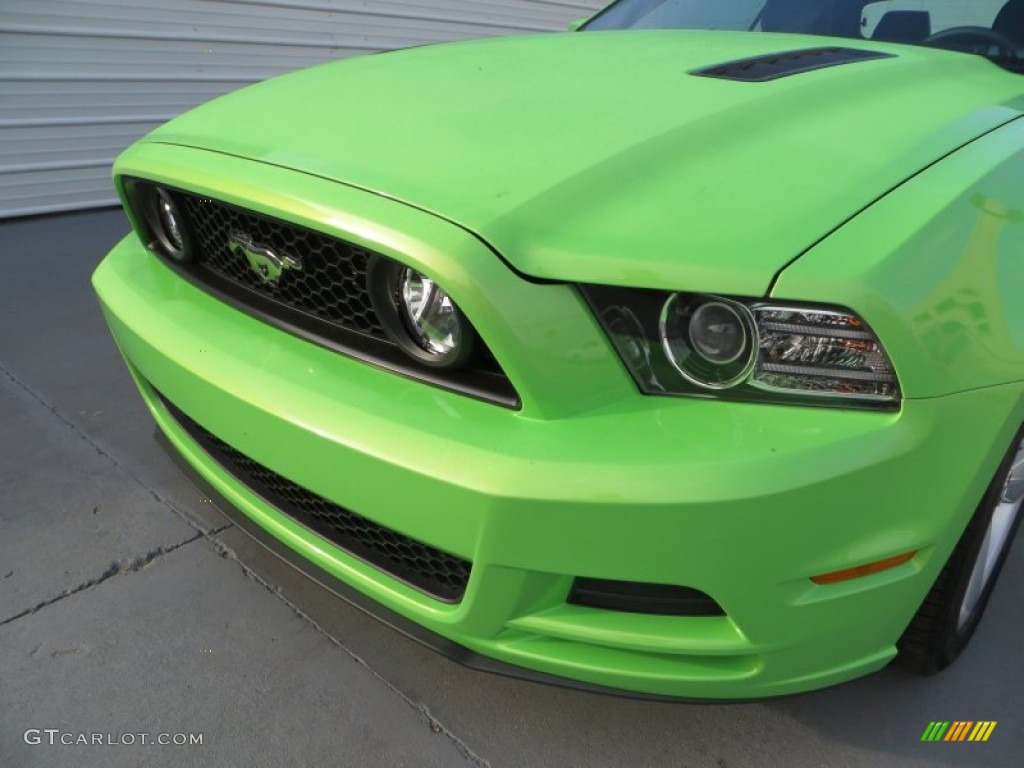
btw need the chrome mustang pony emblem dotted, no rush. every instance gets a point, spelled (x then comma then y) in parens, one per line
(266, 264)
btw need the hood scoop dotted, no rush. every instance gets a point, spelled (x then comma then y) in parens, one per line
(760, 69)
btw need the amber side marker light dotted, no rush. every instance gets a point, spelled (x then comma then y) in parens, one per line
(863, 570)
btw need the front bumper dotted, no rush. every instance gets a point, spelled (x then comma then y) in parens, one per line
(590, 479)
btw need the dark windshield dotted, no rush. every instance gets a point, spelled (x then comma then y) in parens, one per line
(990, 28)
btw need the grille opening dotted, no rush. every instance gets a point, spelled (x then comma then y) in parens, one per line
(640, 597)
(439, 574)
(325, 300)
(330, 285)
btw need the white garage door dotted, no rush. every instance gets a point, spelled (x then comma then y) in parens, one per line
(81, 79)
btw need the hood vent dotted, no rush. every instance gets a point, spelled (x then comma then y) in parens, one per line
(760, 69)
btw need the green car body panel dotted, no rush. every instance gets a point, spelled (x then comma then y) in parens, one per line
(570, 181)
(890, 187)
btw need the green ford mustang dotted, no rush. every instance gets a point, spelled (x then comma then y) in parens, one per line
(681, 354)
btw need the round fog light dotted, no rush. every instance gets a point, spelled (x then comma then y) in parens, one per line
(710, 341)
(431, 315)
(167, 225)
(419, 315)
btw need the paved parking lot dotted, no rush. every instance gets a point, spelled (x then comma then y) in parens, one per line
(129, 605)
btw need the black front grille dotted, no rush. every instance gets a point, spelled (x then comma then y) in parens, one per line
(330, 285)
(438, 574)
(321, 295)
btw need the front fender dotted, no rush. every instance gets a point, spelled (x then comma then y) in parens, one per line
(936, 267)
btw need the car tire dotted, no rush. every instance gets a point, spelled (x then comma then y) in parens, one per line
(949, 615)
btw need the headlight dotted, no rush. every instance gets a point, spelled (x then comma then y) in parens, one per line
(419, 315)
(692, 344)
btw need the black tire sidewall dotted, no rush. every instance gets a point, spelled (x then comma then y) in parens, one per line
(952, 639)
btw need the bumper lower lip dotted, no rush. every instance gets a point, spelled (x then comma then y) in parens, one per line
(432, 640)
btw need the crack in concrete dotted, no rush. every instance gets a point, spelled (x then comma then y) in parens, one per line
(138, 563)
(421, 709)
(101, 451)
(116, 568)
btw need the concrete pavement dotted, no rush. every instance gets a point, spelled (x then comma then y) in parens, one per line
(130, 605)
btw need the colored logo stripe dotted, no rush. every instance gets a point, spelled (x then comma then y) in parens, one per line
(958, 730)
(982, 731)
(935, 731)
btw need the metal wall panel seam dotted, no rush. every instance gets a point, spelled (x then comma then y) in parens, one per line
(178, 37)
(77, 121)
(82, 79)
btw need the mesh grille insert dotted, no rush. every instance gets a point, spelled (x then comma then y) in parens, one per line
(438, 574)
(329, 285)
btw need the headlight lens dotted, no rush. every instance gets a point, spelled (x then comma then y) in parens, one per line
(693, 344)
(419, 315)
(710, 342)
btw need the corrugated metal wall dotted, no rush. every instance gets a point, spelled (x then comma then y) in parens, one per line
(81, 79)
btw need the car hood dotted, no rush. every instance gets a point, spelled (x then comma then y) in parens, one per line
(600, 157)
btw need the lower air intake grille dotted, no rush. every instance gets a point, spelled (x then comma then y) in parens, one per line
(439, 574)
(638, 597)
